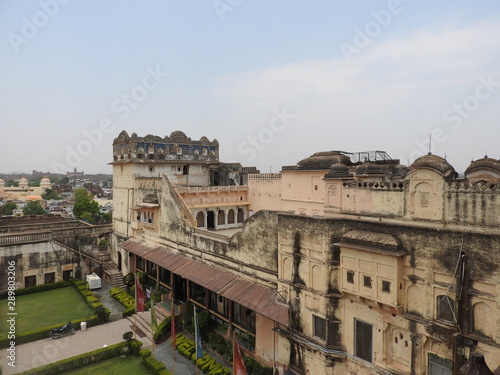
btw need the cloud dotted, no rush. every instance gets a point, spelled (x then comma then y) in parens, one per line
(392, 96)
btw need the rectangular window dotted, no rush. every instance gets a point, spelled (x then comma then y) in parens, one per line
(165, 276)
(445, 308)
(439, 366)
(29, 281)
(386, 286)
(367, 281)
(67, 275)
(198, 293)
(350, 277)
(319, 327)
(139, 263)
(50, 277)
(244, 317)
(363, 340)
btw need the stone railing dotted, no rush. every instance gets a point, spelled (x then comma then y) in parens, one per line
(210, 189)
(264, 176)
(47, 235)
(40, 226)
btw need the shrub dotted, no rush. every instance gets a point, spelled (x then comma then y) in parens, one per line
(187, 348)
(125, 299)
(135, 346)
(38, 288)
(163, 328)
(69, 364)
(145, 353)
(153, 365)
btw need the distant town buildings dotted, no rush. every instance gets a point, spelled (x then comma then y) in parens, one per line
(23, 192)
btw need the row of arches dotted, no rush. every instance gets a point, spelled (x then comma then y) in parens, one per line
(220, 218)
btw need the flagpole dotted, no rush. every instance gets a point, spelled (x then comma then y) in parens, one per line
(196, 338)
(172, 332)
(135, 315)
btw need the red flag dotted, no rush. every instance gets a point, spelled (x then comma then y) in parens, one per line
(139, 296)
(238, 364)
(172, 328)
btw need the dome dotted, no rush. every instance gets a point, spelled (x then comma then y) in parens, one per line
(178, 137)
(324, 160)
(399, 170)
(370, 168)
(45, 179)
(486, 164)
(23, 180)
(434, 163)
(1, 181)
(338, 170)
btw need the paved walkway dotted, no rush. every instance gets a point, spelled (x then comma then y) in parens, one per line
(42, 352)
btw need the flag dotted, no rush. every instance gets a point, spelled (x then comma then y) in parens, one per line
(199, 350)
(139, 296)
(238, 364)
(154, 322)
(172, 327)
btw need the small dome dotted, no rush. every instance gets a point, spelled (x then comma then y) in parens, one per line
(324, 160)
(338, 170)
(178, 137)
(485, 164)
(23, 180)
(45, 179)
(204, 139)
(1, 181)
(399, 170)
(369, 168)
(435, 163)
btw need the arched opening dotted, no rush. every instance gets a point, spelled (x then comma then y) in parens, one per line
(239, 217)
(119, 261)
(221, 220)
(200, 219)
(230, 216)
(210, 220)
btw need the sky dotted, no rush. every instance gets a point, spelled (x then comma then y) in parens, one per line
(272, 81)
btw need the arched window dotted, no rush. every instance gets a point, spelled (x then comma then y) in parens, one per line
(221, 218)
(240, 216)
(483, 320)
(200, 219)
(230, 216)
(445, 308)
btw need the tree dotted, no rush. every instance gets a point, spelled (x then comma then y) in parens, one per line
(8, 208)
(33, 208)
(86, 208)
(50, 194)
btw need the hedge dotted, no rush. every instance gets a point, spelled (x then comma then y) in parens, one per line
(38, 288)
(207, 364)
(163, 329)
(81, 360)
(125, 299)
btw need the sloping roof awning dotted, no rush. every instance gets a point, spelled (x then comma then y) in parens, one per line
(257, 297)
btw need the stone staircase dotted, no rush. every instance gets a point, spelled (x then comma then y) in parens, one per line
(140, 323)
(112, 274)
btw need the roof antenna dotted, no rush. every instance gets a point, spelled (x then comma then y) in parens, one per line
(430, 142)
(445, 156)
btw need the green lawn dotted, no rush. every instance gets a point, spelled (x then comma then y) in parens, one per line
(45, 309)
(114, 366)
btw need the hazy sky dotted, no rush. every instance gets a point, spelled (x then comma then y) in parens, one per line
(273, 81)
